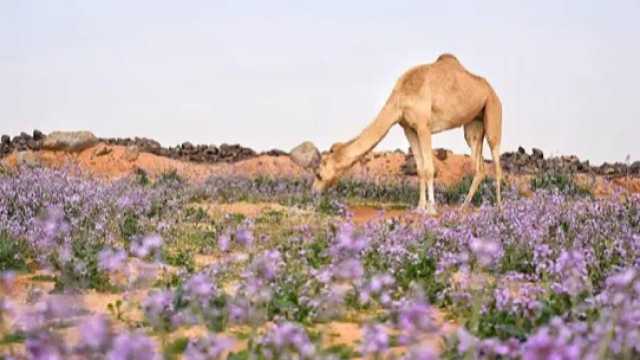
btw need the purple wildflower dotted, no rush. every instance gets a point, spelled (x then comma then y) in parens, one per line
(212, 347)
(132, 346)
(111, 260)
(375, 339)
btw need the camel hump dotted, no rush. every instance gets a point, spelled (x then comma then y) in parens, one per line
(447, 57)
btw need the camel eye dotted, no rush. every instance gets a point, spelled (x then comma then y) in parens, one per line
(318, 177)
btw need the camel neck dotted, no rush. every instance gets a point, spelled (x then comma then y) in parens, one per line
(355, 149)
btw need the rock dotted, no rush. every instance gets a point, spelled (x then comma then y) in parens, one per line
(409, 166)
(211, 150)
(38, 135)
(537, 153)
(131, 153)
(28, 158)
(102, 150)
(635, 168)
(5, 139)
(521, 150)
(305, 155)
(441, 154)
(71, 141)
(275, 152)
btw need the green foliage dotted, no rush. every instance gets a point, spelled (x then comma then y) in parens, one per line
(115, 309)
(169, 176)
(559, 179)
(196, 214)
(81, 271)
(456, 194)
(396, 192)
(179, 257)
(271, 217)
(316, 252)
(13, 253)
(607, 259)
(129, 227)
(13, 338)
(241, 355)
(518, 258)
(285, 301)
(328, 206)
(141, 178)
(423, 273)
(174, 349)
(342, 351)
(502, 324)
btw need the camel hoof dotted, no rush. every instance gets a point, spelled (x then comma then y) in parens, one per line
(427, 210)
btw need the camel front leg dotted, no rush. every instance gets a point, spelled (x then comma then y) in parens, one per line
(474, 135)
(424, 139)
(412, 137)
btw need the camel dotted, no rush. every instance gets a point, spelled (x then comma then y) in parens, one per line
(428, 99)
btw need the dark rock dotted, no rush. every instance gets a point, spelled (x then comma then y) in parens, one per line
(38, 135)
(32, 144)
(275, 152)
(211, 150)
(537, 153)
(521, 150)
(441, 154)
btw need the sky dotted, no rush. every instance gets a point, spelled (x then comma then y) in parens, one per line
(271, 74)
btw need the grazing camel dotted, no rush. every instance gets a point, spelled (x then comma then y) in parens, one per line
(426, 100)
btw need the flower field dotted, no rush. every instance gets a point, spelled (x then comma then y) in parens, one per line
(143, 268)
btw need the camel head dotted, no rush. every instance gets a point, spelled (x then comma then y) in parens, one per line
(328, 170)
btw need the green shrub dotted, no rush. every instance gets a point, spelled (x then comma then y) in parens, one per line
(558, 179)
(13, 253)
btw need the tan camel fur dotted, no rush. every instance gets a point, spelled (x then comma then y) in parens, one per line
(426, 100)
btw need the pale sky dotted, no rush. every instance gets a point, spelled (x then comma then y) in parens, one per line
(271, 74)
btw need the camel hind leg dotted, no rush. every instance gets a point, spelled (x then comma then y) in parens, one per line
(418, 119)
(474, 135)
(493, 131)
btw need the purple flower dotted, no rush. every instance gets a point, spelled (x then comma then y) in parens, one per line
(111, 260)
(543, 345)
(200, 287)
(7, 280)
(148, 245)
(158, 308)
(244, 236)
(571, 269)
(287, 340)
(422, 352)
(380, 287)
(45, 346)
(415, 319)
(211, 347)
(351, 270)
(347, 242)
(95, 334)
(486, 251)
(375, 339)
(133, 346)
(224, 240)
